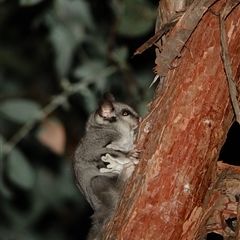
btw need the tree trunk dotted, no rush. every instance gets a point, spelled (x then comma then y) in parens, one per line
(177, 190)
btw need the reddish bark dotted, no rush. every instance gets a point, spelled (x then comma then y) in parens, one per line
(176, 183)
(222, 203)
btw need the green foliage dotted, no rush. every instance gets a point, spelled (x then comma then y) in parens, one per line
(19, 171)
(68, 22)
(20, 110)
(138, 18)
(76, 50)
(27, 3)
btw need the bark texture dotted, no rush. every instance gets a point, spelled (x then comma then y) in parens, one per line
(176, 184)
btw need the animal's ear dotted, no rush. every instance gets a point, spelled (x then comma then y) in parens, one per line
(108, 96)
(106, 109)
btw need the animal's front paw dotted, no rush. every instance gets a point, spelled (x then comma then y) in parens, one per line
(134, 155)
(114, 165)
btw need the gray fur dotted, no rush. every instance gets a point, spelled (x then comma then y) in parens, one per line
(109, 137)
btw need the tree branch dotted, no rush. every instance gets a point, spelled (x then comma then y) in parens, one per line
(170, 193)
(227, 8)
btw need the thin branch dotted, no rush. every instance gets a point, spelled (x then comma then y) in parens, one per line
(227, 8)
(69, 89)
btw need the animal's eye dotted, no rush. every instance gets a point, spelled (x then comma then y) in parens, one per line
(126, 112)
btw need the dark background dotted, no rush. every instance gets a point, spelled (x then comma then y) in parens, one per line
(46, 45)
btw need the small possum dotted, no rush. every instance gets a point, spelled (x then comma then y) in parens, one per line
(104, 158)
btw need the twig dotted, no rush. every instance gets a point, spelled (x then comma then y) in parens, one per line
(69, 89)
(227, 8)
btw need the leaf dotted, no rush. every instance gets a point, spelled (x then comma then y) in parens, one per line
(52, 134)
(20, 172)
(28, 3)
(5, 191)
(138, 18)
(88, 68)
(64, 43)
(89, 99)
(3, 188)
(20, 110)
(2, 141)
(77, 11)
(68, 29)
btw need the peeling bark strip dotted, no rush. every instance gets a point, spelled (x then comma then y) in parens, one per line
(163, 30)
(180, 34)
(227, 8)
(174, 185)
